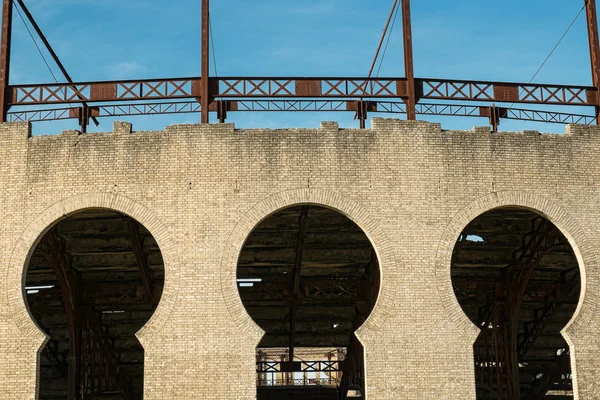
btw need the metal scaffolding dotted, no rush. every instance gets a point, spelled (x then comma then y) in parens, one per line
(87, 101)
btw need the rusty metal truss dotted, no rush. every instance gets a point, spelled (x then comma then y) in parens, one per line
(361, 95)
(306, 88)
(223, 107)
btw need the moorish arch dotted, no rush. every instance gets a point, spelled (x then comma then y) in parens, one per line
(514, 282)
(92, 281)
(279, 219)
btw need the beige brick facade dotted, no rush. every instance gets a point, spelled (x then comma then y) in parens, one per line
(201, 189)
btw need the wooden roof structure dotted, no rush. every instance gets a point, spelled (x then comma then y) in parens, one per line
(324, 294)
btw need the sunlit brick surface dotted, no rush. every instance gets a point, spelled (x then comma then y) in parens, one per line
(200, 190)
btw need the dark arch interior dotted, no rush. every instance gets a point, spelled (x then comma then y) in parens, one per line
(309, 277)
(517, 278)
(93, 281)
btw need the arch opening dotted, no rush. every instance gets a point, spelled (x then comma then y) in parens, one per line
(517, 278)
(92, 282)
(309, 277)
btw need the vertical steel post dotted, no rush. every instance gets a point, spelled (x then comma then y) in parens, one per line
(84, 118)
(204, 96)
(494, 118)
(361, 114)
(411, 102)
(510, 321)
(297, 275)
(592, 23)
(5, 56)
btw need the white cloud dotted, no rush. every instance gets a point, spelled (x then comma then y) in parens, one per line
(126, 69)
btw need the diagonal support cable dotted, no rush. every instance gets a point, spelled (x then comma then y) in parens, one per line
(60, 65)
(385, 30)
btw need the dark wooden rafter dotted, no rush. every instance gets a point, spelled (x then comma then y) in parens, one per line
(302, 221)
(311, 291)
(115, 292)
(137, 245)
(490, 285)
(92, 361)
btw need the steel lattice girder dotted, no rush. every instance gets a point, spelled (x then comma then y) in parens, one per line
(310, 88)
(299, 105)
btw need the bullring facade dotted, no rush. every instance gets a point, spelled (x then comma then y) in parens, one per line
(192, 195)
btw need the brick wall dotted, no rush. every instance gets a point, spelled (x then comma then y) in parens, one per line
(201, 189)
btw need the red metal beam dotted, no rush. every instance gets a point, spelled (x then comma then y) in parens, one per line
(94, 92)
(205, 95)
(411, 98)
(594, 42)
(5, 57)
(266, 88)
(298, 105)
(272, 89)
(303, 87)
(507, 92)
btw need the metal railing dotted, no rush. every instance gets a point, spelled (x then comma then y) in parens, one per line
(312, 373)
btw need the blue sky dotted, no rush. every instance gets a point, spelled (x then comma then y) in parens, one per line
(468, 39)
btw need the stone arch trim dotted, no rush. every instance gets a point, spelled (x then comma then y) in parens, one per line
(62, 209)
(318, 197)
(582, 247)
